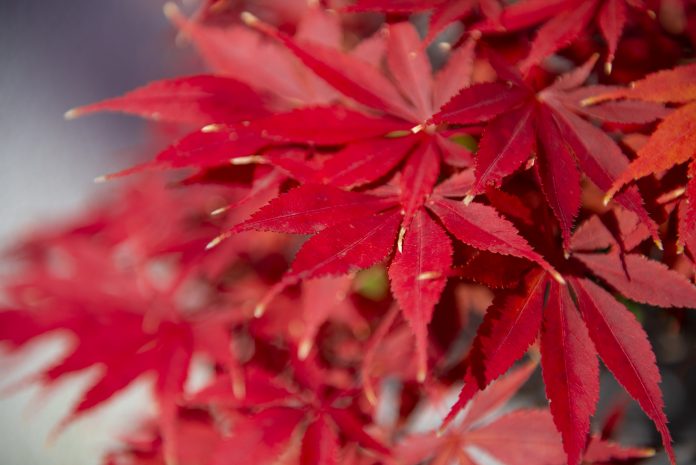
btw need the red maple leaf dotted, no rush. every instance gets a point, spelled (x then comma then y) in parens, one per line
(355, 230)
(559, 22)
(115, 283)
(287, 81)
(279, 407)
(673, 141)
(562, 22)
(310, 123)
(575, 329)
(529, 435)
(545, 122)
(403, 108)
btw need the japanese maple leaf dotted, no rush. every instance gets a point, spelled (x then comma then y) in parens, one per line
(205, 441)
(112, 333)
(672, 143)
(563, 22)
(402, 109)
(205, 101)
(242, 87)
(280, 406)
(354, 230)
(528, 435)
(574, 330)
(209, 100)
(524, 120)
(243, 54)
(199, 100)
(197, 433)
(217, 144)
(444, 12)
(326, 300)
(321, 299)
(384, 354)
(131, 229)
(96, 281)
(603, 451)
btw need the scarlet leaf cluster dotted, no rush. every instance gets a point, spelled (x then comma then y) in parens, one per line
(495, 172)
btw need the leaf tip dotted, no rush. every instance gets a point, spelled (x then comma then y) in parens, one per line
(400, 240)
(260, 309)
(608, 66)
(557, 276)
(249, 19)
(428, 275)
(216, 241)
(607, 198)
(417, 128)
(219, 211)
(304, 348)
(248, 160)
(370, 394)
(72, 114)
(422, 372)
(238, 387)
(211, 128)
(170, 10)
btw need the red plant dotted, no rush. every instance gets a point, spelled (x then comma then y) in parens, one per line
(422, 194)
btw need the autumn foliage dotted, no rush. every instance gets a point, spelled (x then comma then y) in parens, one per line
(368, 244)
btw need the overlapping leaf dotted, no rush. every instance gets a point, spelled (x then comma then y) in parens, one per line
(674, 140)
(356, 230)
(369, 132)
(544, 122)
(576, 329)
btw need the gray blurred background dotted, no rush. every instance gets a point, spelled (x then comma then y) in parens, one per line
(55, 55)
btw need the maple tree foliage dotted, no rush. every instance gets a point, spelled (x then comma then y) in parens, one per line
(342, 199)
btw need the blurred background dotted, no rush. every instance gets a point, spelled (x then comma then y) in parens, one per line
(54, 56)
(57, 55)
